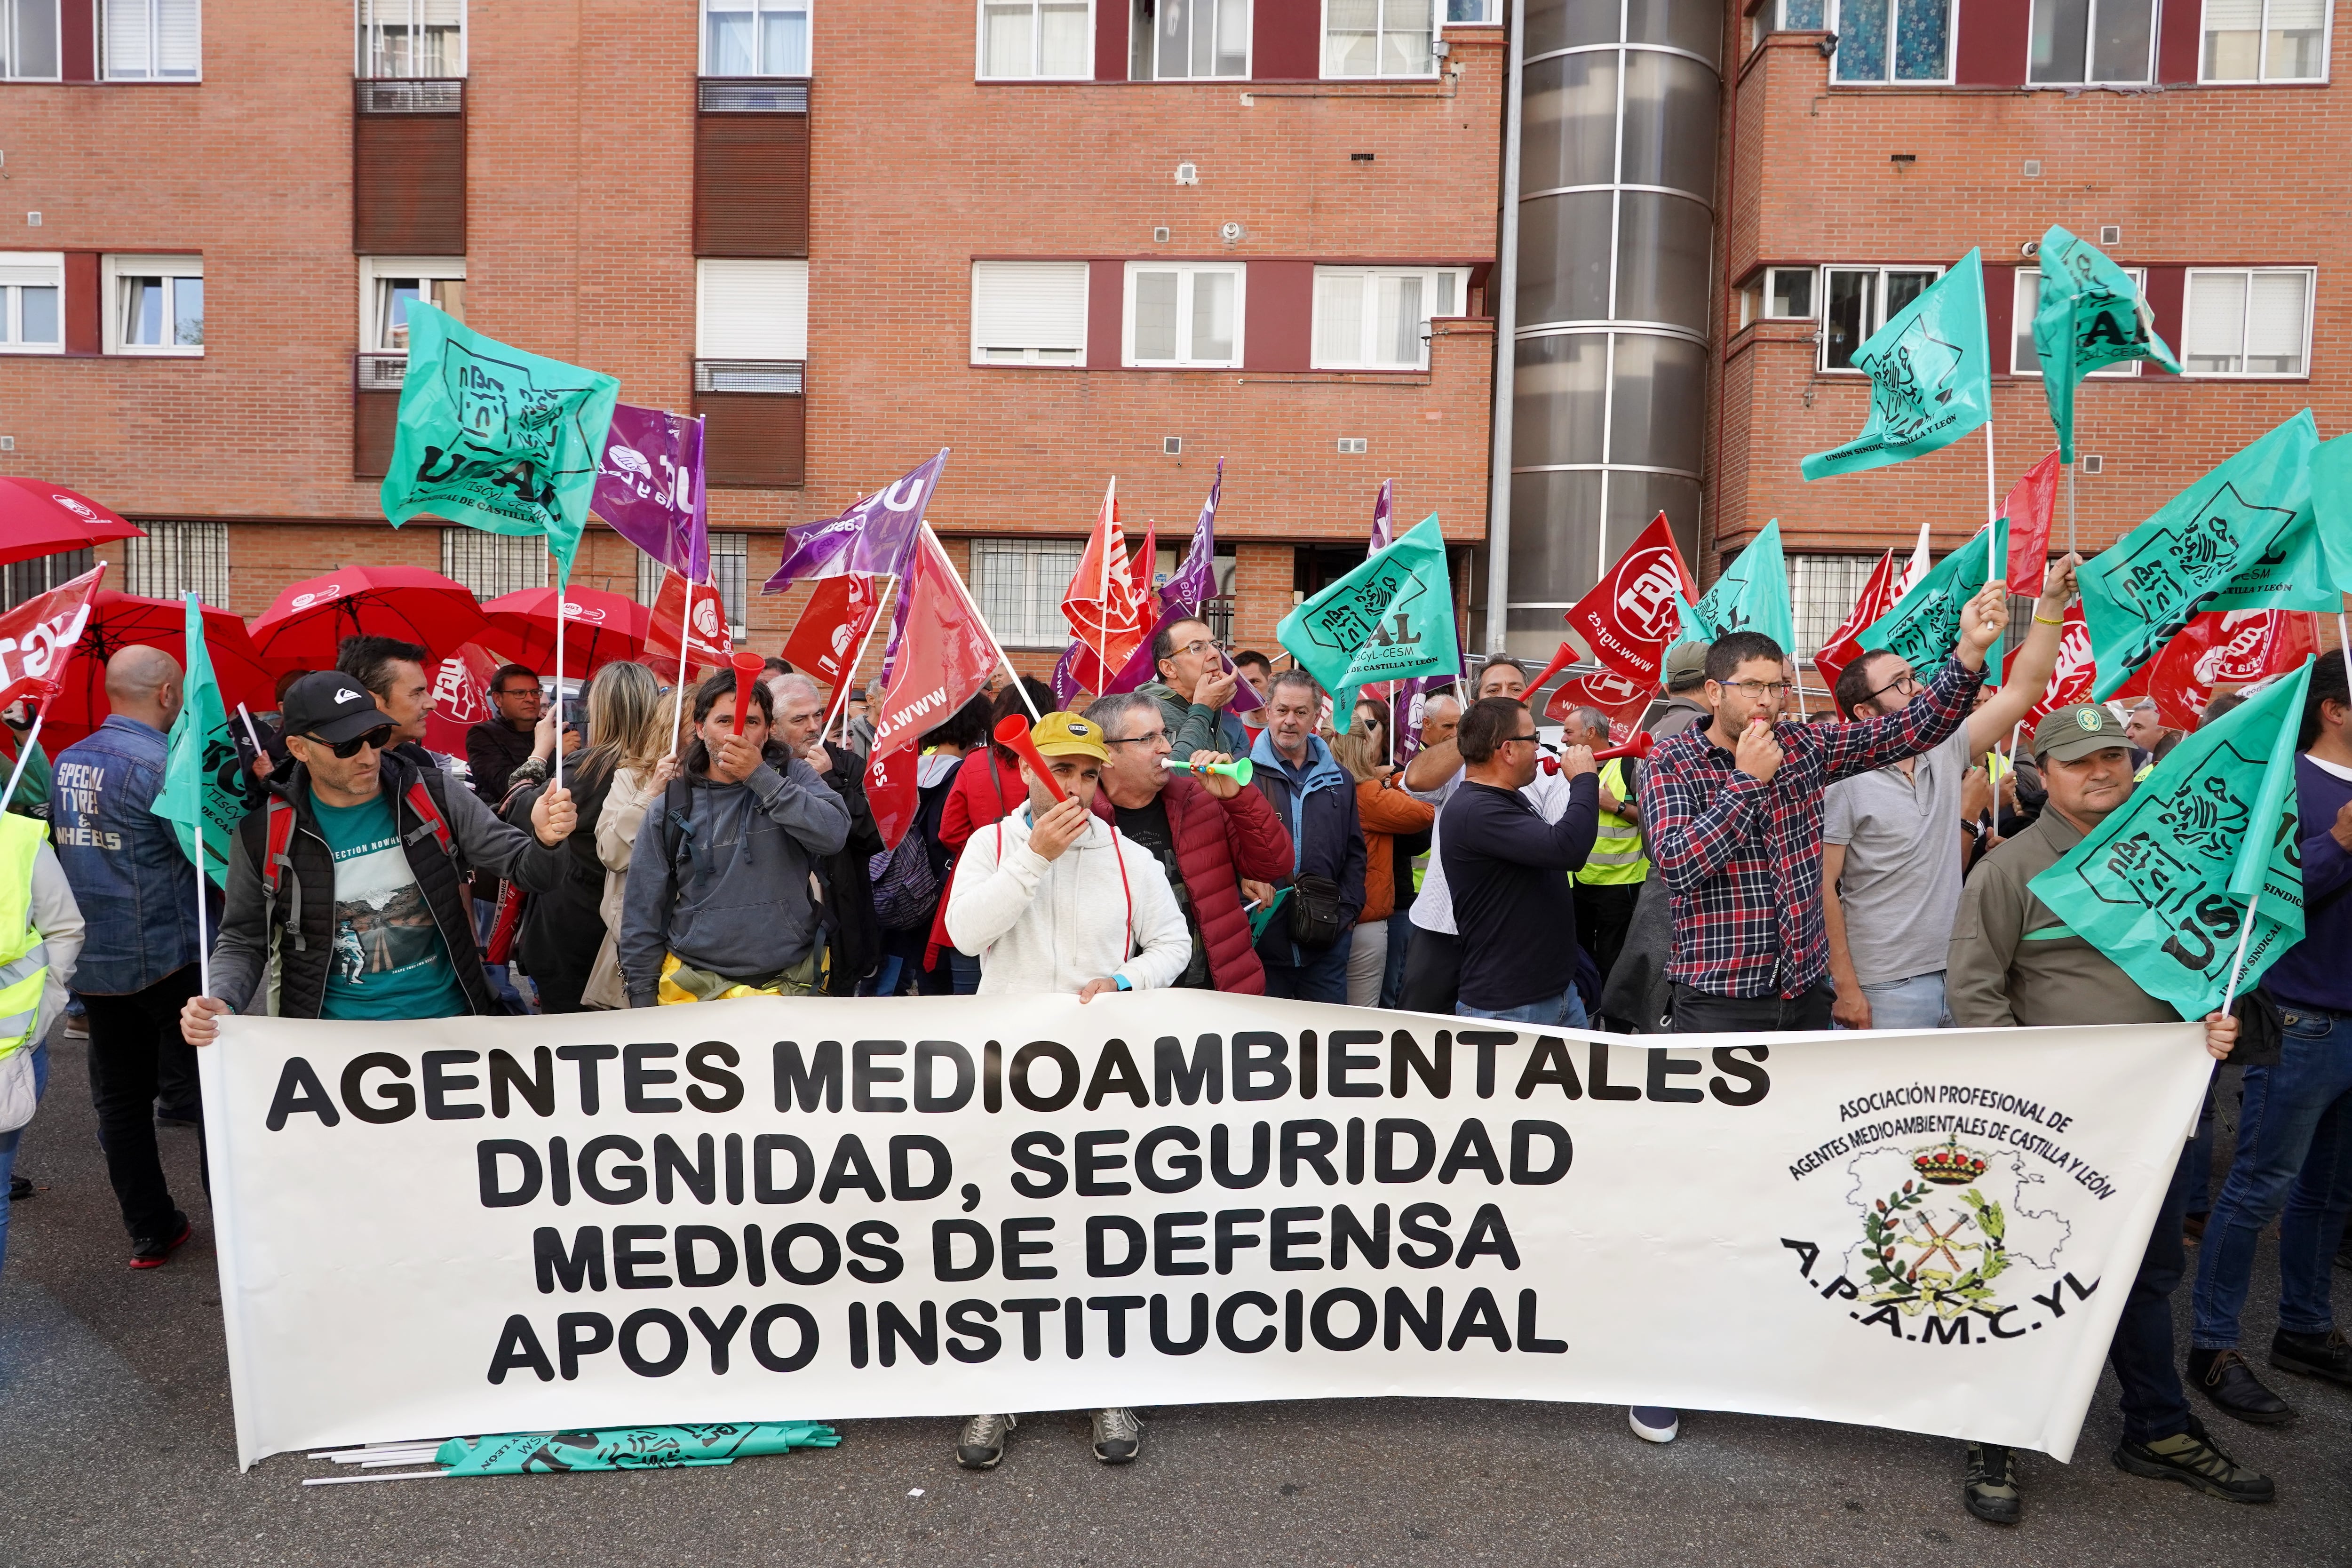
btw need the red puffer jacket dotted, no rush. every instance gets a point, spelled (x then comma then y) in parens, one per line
(1217, 844)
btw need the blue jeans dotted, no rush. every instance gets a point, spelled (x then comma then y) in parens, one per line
(1916, 1002)
(1565, 1011)
(8, 1141)
(965, 968)
(2295, 1158)
(883, 980)
(2154, 1406)
(1400, 933)
(1320, 977)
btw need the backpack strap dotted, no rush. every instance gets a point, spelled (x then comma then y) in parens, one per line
(277, 867)
(676, 801)
(429, 818)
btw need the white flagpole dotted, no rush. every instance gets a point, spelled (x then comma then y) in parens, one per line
(985, 629)
(2238, 963)
(841, 695)
(251, 733)
(203, 946)
(556, 764)
(685, 635)
(23, 754)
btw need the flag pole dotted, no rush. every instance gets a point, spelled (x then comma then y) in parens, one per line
(985, 629)
(677, 709)
(2238, 963)
(555, 763)
(841, 697)
(23, 753)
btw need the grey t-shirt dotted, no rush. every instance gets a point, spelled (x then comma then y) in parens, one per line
(1901, 885)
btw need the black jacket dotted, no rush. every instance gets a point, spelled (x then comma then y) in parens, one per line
(561, 930)
(855, 935)
(493, 749)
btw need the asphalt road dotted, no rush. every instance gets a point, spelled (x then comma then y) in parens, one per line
(116, 1447)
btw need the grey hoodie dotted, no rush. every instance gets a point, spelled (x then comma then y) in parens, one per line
(738, 902)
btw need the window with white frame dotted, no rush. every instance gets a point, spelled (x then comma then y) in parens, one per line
(755, 37)
(32, 302)
(1858, 300)
(1029, 312)
(1183, 315)
(1379, 37)
(2023, 358)
(1474, 13)
(1377, 318)
(29, 40)
(751, 310)
(1789, 290)
(2248, 321)
(412, 38)
(489, 564)
(155, 304)
(389, 284)
(2077, 42)
(1019, 583)
(2265, 41)
(150, 40)
(1823, 591)
(1034, 40)
(730, 571)
(1181, 40)
(1892, 40)
(1799, 15)
(176, 558)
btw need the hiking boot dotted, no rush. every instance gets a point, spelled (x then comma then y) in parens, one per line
(2324, 1355)
(981, 1442)
(2190, 1458)
(155, 1251)
(2223, 1377)
(1988, 1486)
(1119, 1435)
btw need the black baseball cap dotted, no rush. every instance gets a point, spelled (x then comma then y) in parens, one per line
(330, 707)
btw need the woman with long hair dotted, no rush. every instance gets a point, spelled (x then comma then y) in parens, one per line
(639, 725)
(1385, 812)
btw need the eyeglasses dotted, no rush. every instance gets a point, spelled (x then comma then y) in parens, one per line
(1143, 740)
(1907, 683)
(379, 738)
(1198, 648)
(1513, 739)
(1756, 689)
(518, 691)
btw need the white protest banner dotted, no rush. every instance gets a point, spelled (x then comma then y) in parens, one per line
(825, 1208)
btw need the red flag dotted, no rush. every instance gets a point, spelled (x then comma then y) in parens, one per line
(1147, 564)
(2232, 648)
(944, 660)
(825, 639)
(1628, 619)
(1624, 701)
(708, 643)
(1878, 597)
(461, 698)
(2072, 679)
(1101, 604)
(38, 637)
(2028, 508)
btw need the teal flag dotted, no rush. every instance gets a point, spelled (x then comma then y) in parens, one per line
(2162, 886)
(1752, 595)
(495, 438)
(204, 778)
(628, 1447)
(1923, 627)
(1389, 619)
(1930, 377)
(1691, 626)
(2221, 544)
(2331, 506)
(2091, 314)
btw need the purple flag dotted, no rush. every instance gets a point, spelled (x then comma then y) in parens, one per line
(1194, 583)
(1066, 678)
(649, 488)
(875, 538)
(1383, 533)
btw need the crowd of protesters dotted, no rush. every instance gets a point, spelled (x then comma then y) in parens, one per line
(1759, 870)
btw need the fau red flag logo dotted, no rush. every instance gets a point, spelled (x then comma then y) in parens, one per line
(706, 640)
(1628, 617)
(825, 639)
(39, 636)
(943, 660)
(1878, 597)
(2072, 679)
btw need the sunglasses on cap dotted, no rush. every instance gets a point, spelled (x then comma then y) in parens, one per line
(379, 738)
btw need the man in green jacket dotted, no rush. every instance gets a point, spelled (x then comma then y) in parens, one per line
(1192, 691)
(2013, 963)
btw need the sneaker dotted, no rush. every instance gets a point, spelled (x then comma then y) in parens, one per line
(1653, 1424)
(1988, 1486)
(2324, 1355)
(2223, 1377)
(152, 1252)
(77, 1025)
(19, 1188)
(1119, 1435)
(981, 1442)
(2190, 1458)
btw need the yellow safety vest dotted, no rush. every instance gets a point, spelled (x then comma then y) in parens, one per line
(1616, 859)
(24, 957)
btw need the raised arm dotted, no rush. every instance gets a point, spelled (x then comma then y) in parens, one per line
(1930, 719)
(2037, 660)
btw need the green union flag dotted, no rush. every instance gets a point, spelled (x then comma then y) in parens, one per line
(2091, 314)
(1930, 377)
(203, 795)
(1923, 627)
(2162, 885)
(2228, 541)
(1389, 619)
(495, 438)
(1752, 595)
(2331, 506)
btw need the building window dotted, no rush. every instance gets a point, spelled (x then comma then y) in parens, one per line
(1379, 38)
(1474, 13)
(1860, 301)
(2265, 41)
(176, 558)
(1183, 315)
(1037, 40)
(29, 40)
(1892, 40)
(1019, 583)
(152, 40)
(32, 302)
(489, 564)
(751, 310)
(1823, 591)
(2248, 321)
(1789, 291)
(730, 569)
(2078, 42)
(755, 37)
(1801, 16)
(23, 580)
(157, 304)
(389, 284)
(2023, 359)
(412, 38)
(1180, 40)
(1377, 318)
(1029, 312)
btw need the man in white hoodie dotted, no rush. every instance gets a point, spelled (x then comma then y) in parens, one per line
(1054, 898)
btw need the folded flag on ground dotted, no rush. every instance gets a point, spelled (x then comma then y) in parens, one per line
(629, 1447)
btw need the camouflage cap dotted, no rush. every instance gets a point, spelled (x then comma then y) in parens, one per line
(2076, 731)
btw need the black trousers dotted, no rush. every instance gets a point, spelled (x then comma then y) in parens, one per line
(1604, 911)
(1432, 973)
(1697, 1013)
(129, 1035)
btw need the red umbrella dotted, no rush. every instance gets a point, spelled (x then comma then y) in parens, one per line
(38, 518)
(309, 619)
(598, 627)
(117, 621)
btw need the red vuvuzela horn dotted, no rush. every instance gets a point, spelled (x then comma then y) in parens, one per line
(748, 666)
(1639, 746)
(1013, 731)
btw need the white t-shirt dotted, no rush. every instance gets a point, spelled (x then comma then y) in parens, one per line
(1433, 906)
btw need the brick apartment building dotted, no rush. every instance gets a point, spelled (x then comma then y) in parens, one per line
(1068, 238)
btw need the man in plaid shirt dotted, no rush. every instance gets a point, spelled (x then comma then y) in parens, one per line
(1734, 818)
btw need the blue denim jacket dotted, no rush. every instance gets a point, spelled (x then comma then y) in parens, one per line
(135, 886)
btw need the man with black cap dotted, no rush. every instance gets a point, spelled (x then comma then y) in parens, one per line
(2014, 963)
(353, 876)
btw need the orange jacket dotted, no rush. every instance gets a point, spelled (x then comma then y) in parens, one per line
(1385, 810)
